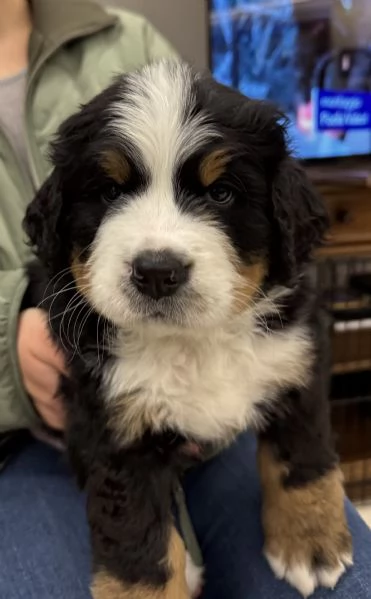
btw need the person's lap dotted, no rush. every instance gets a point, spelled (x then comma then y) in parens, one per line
(44, 542)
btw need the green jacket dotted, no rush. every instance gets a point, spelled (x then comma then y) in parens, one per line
(75, 49)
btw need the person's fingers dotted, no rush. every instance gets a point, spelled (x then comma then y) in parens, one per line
(44, 400)
(42, 385)
(51, 409)
(48, 353)
(44, 378)
(59, 363)
(41, 365)
(52, 418)
(46, 349)
(52, 358)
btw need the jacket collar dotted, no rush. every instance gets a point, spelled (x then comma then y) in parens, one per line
(57, 21)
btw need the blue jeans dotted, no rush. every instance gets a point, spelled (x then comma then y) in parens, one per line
(44, 544)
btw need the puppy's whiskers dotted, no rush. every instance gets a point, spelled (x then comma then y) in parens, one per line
(70, 286)
(258, 307)
(76, 339)
(54, 280)
(70, 309)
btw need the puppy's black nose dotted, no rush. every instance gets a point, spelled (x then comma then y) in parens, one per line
(159, 274)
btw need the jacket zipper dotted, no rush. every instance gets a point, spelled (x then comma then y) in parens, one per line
(31, 145)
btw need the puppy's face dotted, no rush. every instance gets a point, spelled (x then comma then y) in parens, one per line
(162, 201)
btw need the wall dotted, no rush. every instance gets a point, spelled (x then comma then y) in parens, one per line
(183, 22)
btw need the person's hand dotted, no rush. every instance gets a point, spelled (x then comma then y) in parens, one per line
(41, 366)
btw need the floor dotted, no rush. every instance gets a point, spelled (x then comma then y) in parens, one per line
(365, 511)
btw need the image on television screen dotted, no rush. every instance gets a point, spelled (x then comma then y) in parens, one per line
(310, 57)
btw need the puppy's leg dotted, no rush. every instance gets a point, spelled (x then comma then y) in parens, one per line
(107, 585)
(137, 552)
(307, 541)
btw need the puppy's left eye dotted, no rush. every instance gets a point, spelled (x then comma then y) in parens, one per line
(220, 194)
(111, 192)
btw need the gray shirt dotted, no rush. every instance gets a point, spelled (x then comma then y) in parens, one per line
(12, 100)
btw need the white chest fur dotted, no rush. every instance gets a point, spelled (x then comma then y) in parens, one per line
(206, 385)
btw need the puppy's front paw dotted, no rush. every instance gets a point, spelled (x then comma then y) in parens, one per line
(307, 541)
(299, 566)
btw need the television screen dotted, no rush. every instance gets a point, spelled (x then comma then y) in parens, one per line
(311, 57)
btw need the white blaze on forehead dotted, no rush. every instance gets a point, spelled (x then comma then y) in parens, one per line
(156, 116)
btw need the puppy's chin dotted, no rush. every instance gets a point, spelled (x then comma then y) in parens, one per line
(163, 317)
(168, 313)
(171, 315)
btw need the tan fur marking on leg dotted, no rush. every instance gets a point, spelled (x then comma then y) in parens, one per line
(302, 524)
(107, 586)
(177, 586)
(251, 278)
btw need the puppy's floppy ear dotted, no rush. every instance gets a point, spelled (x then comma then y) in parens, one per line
(47, 215)
(42, 221)
(300, 217)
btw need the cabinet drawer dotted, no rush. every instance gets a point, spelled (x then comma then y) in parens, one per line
(350, 219)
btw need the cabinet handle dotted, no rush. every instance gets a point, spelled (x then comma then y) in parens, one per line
(343, 216)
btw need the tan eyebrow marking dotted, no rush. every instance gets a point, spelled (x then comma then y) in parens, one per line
(213, 166)
(116, 166)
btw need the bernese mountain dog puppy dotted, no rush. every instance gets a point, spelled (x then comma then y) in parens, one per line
(174, 236)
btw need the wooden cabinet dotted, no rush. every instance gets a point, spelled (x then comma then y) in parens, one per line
(345, 257)
(350, 216)
(347, 193)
